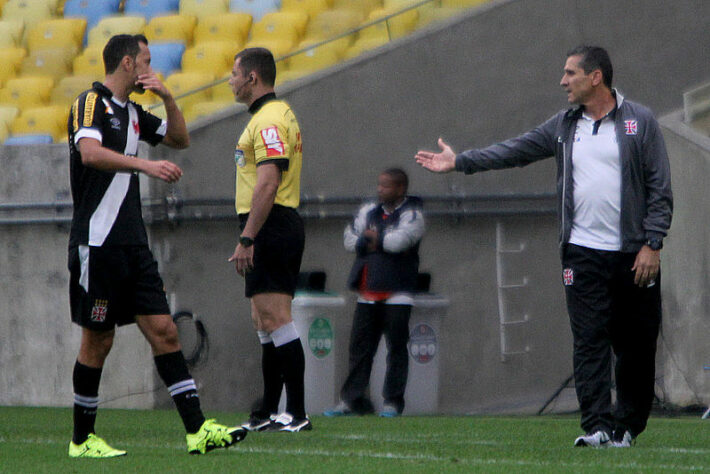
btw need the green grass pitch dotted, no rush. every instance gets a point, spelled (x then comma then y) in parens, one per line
(36, 440)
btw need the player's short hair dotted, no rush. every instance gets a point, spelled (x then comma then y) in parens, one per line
(398, 176)
(594, 57)
(260, 60)
(118, 47)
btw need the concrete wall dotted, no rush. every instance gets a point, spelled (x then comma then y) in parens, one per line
(686, 268)
(476, 80)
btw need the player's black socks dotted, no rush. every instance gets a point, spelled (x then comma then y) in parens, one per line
(86, 400)
(293, 367)
(273, 382)
(173, 370)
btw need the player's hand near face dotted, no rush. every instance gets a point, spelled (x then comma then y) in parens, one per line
(243, 258)
(151, 82)
(164, 170)
(437, 162)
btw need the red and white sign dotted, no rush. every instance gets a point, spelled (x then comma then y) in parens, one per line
(272, 141)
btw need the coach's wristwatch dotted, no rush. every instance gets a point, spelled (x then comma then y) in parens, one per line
(655, 244)
(246, 241)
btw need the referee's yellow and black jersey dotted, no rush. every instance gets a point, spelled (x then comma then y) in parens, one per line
(107, 205)
(272, 136)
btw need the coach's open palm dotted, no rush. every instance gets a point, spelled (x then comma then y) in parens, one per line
(437, 162)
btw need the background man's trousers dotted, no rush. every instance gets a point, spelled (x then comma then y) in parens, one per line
(371, 321)
(608, 311)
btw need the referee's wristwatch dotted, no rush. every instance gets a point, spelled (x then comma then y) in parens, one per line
(655, 244)
(246, 241)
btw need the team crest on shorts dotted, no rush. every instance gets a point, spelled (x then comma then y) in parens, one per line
(98, 312)
(568, 276)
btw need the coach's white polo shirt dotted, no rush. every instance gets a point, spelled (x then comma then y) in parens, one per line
(596, 177)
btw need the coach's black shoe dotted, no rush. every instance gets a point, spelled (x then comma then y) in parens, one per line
(595, 439)
(287, 423)
(622, 439)
(256, 423)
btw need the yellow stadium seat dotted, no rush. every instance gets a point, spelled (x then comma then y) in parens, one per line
(26, 91)
(114, 25)
(203, 109)
(313, 59)
(57, 33)
(54, 63)
(337, 47)
(201, 8)
(11, 33)
(364, 7)
(310, 7)
(278, 26)
(171, 28)
(4, 131)
(277, 46)
(30, 12)
(364, 44)
(222, 92)
(462, 3)
(146, 99)
(12, 56)
(183, 82)
(231, 27)
(215, 57)
(8, 113)
(332, 23)
(433, 13)
(397, 26)
(90, 62)
(46, 120)
(7, 72)
(69, 88)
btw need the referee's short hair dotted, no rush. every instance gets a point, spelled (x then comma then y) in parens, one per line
(260, 60)
(398, 176)
(594, 57)
(118, 47)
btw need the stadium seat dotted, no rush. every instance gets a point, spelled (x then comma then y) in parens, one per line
(11, 33)
(57, 33)
(90, 62)
(311, 7)
(276, 27)
(332, 23)
(46, 120)
(364, 7)
(108, 27)
(165, 58)
(12, 56)
(171, 29)
(231, 27)
(8, 113)
(55, 63)
(149, 9)
(462, 3)
(337, 47)
(91, 10)
(214, 57)
(200, 8)
(278, 47)
(203, 109)
(183, 82)
(222, 92)
(397, 26)
(297, 19)
(4, 131)
(69, 88)
(313, 59)
(30, 12)
(8, 71)
(145, 100)
(256, 8)
(364, 44)
(24, 140)
(25, 92)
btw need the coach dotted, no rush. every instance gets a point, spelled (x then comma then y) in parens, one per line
(615, 206)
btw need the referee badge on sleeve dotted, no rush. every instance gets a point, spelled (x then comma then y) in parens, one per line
(239, 158)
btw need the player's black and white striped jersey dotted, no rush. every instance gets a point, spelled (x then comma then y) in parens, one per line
(107, 205)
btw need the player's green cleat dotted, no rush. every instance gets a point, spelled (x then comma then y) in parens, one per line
(213, 435)
(93, 447)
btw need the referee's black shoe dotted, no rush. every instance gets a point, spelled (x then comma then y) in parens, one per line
(288, 423)
(257, 422)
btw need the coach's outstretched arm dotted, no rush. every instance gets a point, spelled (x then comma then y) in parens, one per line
(443, 162)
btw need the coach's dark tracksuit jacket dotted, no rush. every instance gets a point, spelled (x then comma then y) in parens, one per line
(646, 198)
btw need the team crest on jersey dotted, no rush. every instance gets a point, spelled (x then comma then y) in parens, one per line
(115, 123)
(98, 312)
(568, 276)
(631, 127)
(272, 141)
(239, 158)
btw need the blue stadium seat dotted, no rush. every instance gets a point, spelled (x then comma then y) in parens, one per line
(256, 8)
(92, 10)
(29, 140)
(151, 8)
(165, 57)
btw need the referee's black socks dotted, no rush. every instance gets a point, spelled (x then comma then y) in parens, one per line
(86, 400)
(271, 372)
(293, 366)
(173, 370)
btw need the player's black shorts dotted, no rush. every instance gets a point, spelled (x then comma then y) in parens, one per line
(278, 249)
(109, 286)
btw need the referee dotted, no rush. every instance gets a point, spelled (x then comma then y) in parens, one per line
(114, 278)
(268, 158)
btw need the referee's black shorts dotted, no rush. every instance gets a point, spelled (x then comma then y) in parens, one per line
(109, 286)
(278, 249)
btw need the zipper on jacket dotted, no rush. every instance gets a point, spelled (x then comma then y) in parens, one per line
(564, 188)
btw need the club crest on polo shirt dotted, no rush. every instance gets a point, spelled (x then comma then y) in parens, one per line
(99, 310)
(568, 276)
(631, 127)
(239, 158)
(115, 123)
